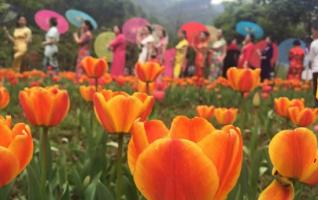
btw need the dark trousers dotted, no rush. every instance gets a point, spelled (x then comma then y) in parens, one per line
(314, 82)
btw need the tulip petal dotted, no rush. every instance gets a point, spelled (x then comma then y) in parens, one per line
(8, 166)
(293, 151)
(5, 135)
(311, 175)
(277, 191)
(165, 170)
(225, 149)
(192, 129)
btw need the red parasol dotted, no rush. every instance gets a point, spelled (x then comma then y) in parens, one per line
(132, 26)
(193, 30)
(42, 19)
(256, 59)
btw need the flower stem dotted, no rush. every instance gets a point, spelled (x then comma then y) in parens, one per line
(119, 167)
(44, 158)
(148, 88)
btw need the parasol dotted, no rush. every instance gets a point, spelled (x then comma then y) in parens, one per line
(246, 27)
(42, 19)
(76, 17)
(193, 30)
(101, 43)
(131, 28)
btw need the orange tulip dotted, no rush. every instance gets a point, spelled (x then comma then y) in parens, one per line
(302, 116)
(4, 97)
(94, 67)
(186, 162)
(205, 112)
(44, 106)
(294, 156)
(243, 80)
(117, 111)
(87, 92)
(282, 105)
(16, 150)
(225, 116)
(148, 72)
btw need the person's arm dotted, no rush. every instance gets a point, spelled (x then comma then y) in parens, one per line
(115, 43)
(149, 50)
(29, 36)
(77, 39)
(10, 37)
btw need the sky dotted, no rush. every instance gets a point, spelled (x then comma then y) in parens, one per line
(220, 1)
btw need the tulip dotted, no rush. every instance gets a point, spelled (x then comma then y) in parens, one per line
(44, 106)
(87, 92)
(4, 97)
(186, 162)
(16, 149)
(294, 156)
(117, 111)
(302, 116)
(225, 116)
(148, 72)
(243, 80)
(205, 112)
(277, 191)
(282, 105)
(94, 67)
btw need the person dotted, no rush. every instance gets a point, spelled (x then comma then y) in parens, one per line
(146, 42)
(21, 38)
(84, 41)
(217, 55)
(118, 46)
(181, 53)
(232, 56)
(266, 59)
(296, 61)
(52, 37)
(313, 59)
(161, 45)
(247, 52)
(201, 50)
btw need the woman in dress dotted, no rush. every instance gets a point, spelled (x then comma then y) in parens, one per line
(181, 53)
(84, 41)
(296, 61)
(162, 44)
(266, 59)
(52, 37)
(21, 38)
(218, 53)
(201, 50)
(118, 46)
(146, 42)
(247, 52)
(232, 56)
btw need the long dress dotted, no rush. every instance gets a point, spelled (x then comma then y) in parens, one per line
(51, 50)
(119, 55)
(83, 51)
(296, 63)
(21, 38)
(246, 55)
(216, 58)
(201, 58)
(181, 52)
(231, 58)
(144, 54)
(266, 61)
(161, 49)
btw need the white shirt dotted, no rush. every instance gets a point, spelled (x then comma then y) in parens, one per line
(52, 34)
(144, 51)
(313, 55)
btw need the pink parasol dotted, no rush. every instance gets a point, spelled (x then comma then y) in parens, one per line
(169, 61)
(42, 19)
(131, 28)
(256, 59)
(193, 30)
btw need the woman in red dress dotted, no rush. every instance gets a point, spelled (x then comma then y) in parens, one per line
(201, 49)
(247, 52)
(296, 61)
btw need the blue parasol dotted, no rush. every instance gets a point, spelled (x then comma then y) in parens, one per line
(284, 48)
(245, 27)
(76, 17)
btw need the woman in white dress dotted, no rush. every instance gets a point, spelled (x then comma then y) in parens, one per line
(52, 37)
(146, 42)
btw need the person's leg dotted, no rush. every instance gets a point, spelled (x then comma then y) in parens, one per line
(314, 81)
(17, 61)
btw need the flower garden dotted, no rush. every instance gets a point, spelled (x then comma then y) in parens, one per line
(156, 138)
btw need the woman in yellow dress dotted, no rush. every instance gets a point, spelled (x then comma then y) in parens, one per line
(181, 52)
(22, 36)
